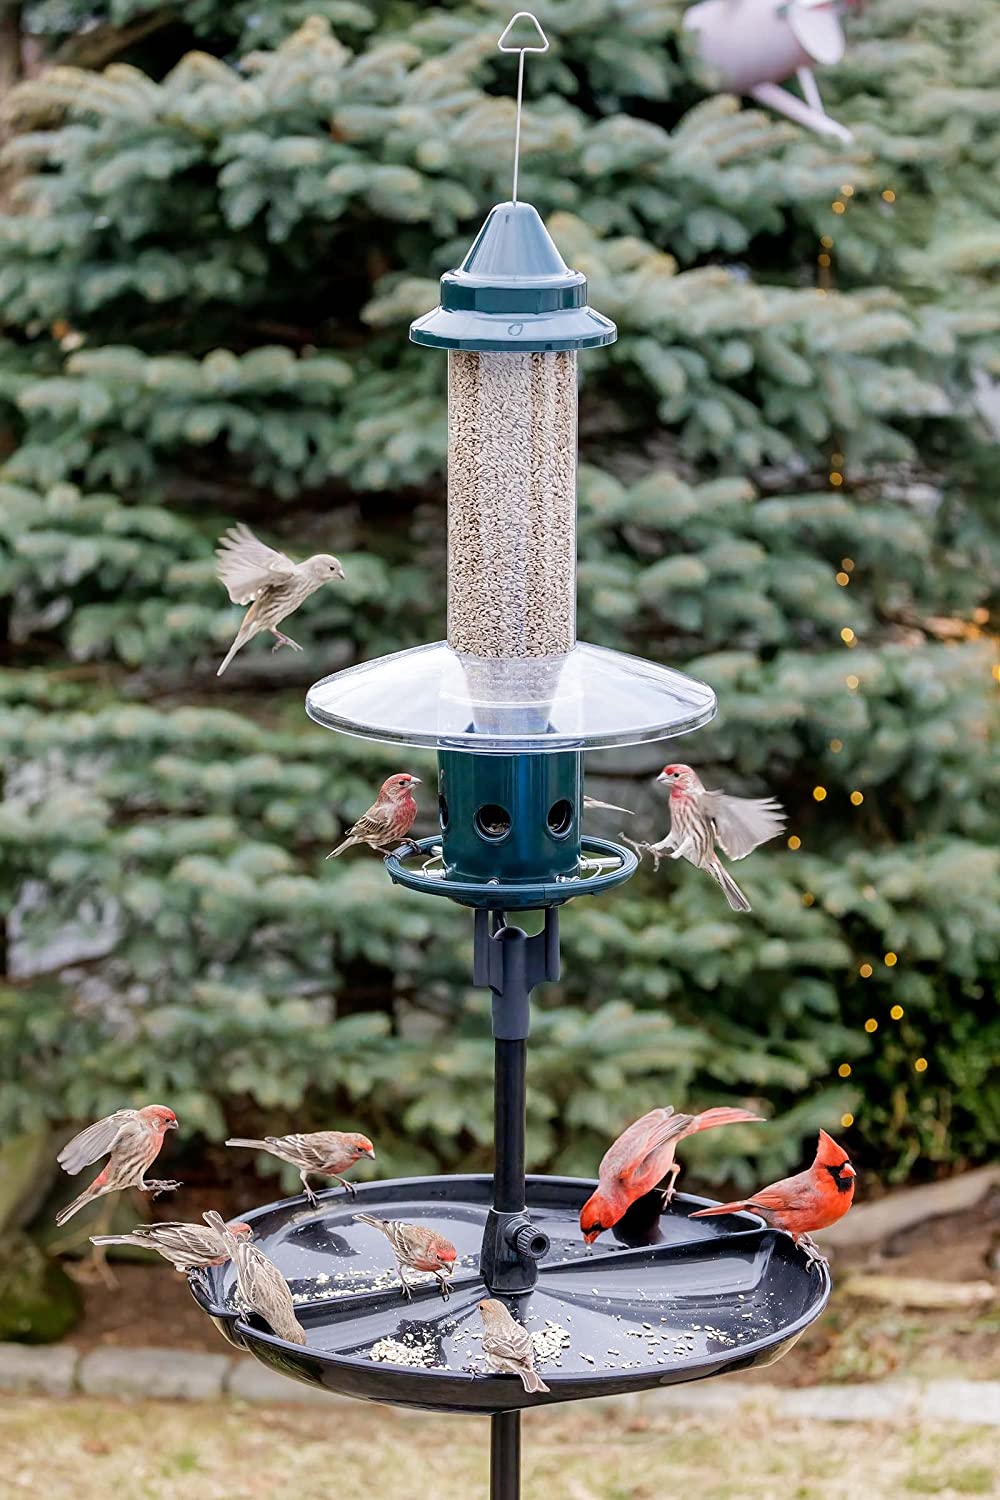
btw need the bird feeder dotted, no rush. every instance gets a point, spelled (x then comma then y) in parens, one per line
(753, 46)
(511, 701)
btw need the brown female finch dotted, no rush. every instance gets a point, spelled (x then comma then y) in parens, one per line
(188, 1247)
(389, 819)
(260, 1286)
(417, 1247)
(700, 820)
(640, 1158)
(326, 1152)
(131, 1140)
(507, 1345)
(252, 571)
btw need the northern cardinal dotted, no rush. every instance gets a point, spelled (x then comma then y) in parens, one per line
(810, 1200)
(388, 820)
(253, 571)
(188, 1247)
(507, 1345)
(418, 1247)
(260, 1286)
(700, 820)
(641, 1157)
(325, 1152)
(131, 1140)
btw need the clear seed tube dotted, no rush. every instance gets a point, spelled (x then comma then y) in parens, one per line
(512, 503)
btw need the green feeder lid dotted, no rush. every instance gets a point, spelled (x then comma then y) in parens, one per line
(513, 291)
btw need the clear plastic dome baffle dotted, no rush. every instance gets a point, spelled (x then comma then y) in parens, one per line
(588, 699)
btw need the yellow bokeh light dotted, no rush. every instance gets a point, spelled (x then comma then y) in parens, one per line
(795, 842)
(889, 195)
(819, 793)
(847, 563)
(920, 1065)
(823, 259)
(827, 242)
(843, 579)
(897, 1013)
(996, 671)
(857, 798)
(808, 899)
(871, 1025)
(890, 960)
(847, 635)
(838, 207)
(852, 682)
(836, 746)
(836, 478)
(981, 616)
(847, 1120)
(866, 971)
(844, 1070)
(846, 190)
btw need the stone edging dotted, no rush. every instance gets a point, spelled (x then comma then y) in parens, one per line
(180, 1375)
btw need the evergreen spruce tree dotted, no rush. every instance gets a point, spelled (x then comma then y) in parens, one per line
(217, 222)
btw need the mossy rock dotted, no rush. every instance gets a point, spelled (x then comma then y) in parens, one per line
(38, 1301)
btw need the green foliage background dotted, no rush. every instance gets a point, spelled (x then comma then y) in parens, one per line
(209, 256)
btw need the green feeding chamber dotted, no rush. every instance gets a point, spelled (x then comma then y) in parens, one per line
(512, 700)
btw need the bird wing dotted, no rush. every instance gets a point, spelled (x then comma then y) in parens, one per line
(94, 1142)
(741, 823)
(514, 1343)
(377, 823)
(630, 1153)
(246, 564)
(307, 1151)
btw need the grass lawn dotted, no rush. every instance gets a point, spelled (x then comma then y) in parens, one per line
(101, 1450)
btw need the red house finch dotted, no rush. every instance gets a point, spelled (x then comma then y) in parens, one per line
(260, 1286)
(417, 1247)
(131, 1139)
(188, 1247)
(507, 1345)
(700, 820)
(813, 1199)
(640, 1158)
(388, 820)
(590, 803)
(326, 1152)
(277, 586)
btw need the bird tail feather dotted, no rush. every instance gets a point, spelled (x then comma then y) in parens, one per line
(733, 894)
(710, 1118)
(369, 1219)
(721, 1208)
(341, 847)
(114, 1239)
(532, 1382)
(65, 1214)
(238, 1140)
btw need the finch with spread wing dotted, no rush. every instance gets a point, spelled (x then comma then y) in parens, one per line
(416, 1247)
(260, 1286)
(702, 820)
(389, 819)
(507, 1345)
(325, 1152)
(131, 1140)
(269, 582)
(641, 1157)
(188, 1247)
(810, 1200)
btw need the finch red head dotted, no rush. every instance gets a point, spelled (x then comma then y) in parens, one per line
(389, 819)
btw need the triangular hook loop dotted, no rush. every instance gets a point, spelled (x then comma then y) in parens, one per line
(523, 15)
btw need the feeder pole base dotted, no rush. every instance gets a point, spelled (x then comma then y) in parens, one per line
(505, 1455)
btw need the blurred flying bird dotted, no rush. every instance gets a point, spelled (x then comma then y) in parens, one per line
(131, 1140)
(269, 582)
(810, 1200)
(641, 1157)
(325, 1152)
(700, 820)
(389, 819)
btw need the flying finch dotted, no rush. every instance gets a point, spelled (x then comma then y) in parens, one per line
(325, 1152)
(507, 1345)
(389, 819)
(700, 820)
(810, 1200)
(269, 582)
(417, 1247)
(188, 1247)
(640, 1158)
(131, 1140)
(260, 1286)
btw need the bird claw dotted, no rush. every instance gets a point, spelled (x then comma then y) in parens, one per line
(407, 1294)
(157, 1187)
(642, 849)
(813, 1254)
(351, 1189)
(283, 640)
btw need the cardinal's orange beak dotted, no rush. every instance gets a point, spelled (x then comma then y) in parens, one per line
(847, 1170)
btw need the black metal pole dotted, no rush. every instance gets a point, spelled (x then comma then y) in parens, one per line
(505, 1455)
(509, 1086)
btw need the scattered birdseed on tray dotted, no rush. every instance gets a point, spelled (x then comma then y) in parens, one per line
(511, 503)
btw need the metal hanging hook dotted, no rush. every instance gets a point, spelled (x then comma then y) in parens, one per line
(521, 15)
